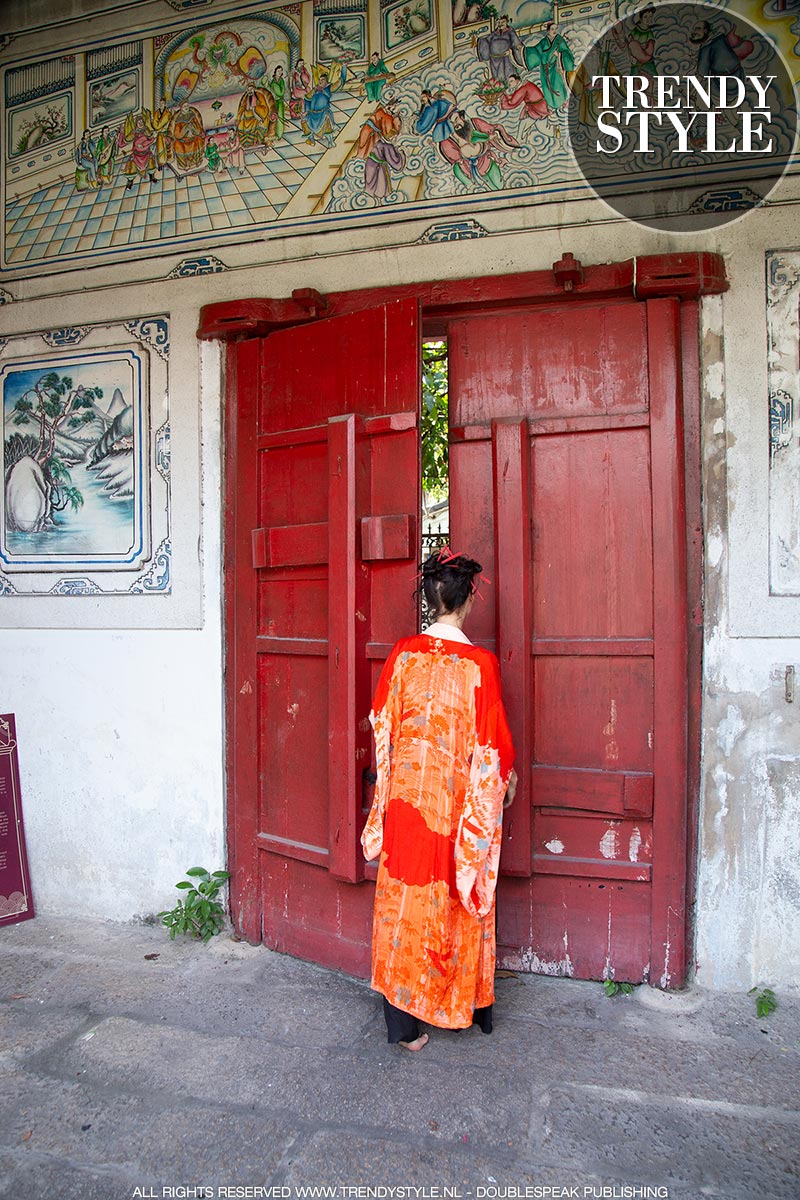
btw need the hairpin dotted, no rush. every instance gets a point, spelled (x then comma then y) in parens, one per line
(445, 556)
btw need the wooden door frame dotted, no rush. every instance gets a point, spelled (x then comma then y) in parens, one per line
(241, 324)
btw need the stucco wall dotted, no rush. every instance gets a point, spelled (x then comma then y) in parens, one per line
(748, 901)
(121, 729)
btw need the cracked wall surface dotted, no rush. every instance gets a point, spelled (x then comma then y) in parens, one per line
(748, 899)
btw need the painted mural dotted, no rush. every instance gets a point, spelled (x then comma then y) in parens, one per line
(783, 363)
(240, 133)
(85, 494)
(39, 125)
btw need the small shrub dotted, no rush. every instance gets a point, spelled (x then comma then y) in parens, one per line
(766, 1002)
(199, 913)
(612, 988)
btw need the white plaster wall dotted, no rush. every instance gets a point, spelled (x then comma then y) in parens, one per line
(120, 733)
(748, 898)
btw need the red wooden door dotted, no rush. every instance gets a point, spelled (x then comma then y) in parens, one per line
(567, 482)
(320, 584)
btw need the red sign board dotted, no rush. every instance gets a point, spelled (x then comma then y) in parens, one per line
(15, 890)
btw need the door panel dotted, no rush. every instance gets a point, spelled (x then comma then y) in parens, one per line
(292, 773)
(333, 547)
(593, 567)
(593, 711)
(582, 367)
(569, 420)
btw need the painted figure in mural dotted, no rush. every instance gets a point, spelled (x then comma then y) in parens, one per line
(212, 154)
(188, 137)
(300, 87)
(476, 150)
(638, 39)
(160, 122)
(556, 63)
(137, 142)
(376, 147)
(318, 122)
(500, 49)
(230, 148)
(85, 163)
(376, 77)
(257, 117)
(719, 53)
(435, 116)
(277, 86)
(601, 60)
(444, 758)
(525, 96)
(105, 152)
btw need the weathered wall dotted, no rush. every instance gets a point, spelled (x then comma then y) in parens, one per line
(748, 903)
(121, 727)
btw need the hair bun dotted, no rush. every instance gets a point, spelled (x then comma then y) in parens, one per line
(447, 579)
(444, 560)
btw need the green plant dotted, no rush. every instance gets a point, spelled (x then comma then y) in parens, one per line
(199, 913)
(434, 431)
(611, 987)
(765, 1001)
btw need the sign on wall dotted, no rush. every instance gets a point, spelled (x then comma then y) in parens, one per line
(16, 903)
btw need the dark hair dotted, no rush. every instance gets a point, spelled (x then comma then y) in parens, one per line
(447, 580)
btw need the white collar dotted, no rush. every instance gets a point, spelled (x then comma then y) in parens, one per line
(448, 633)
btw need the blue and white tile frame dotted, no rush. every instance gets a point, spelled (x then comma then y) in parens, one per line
(86, 508)
(783, 359)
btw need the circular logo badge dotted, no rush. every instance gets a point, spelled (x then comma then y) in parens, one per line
(682, 116)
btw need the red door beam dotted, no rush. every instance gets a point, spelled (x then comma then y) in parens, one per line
(685, 276)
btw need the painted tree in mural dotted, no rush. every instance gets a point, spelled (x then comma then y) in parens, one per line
(38, 481)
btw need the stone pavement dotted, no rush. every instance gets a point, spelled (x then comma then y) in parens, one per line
(228, 1066)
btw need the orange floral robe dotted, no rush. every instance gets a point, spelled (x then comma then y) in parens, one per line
(444, 755)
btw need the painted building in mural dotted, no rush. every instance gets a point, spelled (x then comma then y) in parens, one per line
(164, 156)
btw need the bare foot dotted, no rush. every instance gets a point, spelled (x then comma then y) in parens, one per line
(417, 1043)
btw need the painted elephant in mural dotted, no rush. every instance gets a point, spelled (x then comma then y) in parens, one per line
(26, 497)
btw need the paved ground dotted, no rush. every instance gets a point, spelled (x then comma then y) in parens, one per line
(228, 1066)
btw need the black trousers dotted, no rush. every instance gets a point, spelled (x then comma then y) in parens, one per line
(402, 1027)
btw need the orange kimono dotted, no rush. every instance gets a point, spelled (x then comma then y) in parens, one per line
(444, 756)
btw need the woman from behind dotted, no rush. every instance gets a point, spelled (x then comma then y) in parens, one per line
(444, 764)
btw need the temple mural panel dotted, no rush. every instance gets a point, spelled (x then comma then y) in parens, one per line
(783, 363)
(85, 450)
(225, 122)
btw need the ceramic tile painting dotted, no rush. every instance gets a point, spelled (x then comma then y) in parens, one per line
(405, 21)
(232, 121)
(81, 461)
(340, 37)
(36, 126)
(113, 98)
